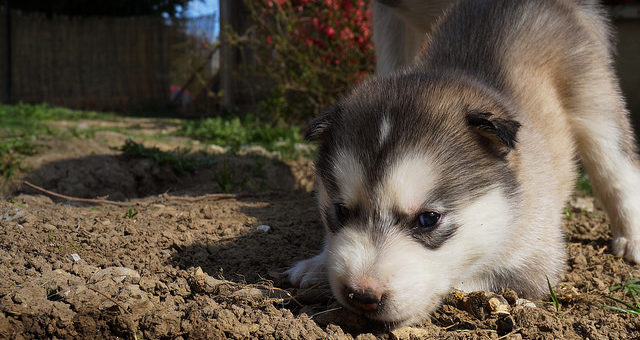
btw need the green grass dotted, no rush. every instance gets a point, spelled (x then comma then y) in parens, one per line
(12, 152)
(583, 184)
(568, 213)
(554, 298)
(235, 132)
(26, 119)
(630, 288)
(179, 160)
(224, 176)
(228, 175)
(130, 213)
(22, 125)
(50, 237)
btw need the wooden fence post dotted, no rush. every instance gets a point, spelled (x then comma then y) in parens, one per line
(230, 21)
(9, 54)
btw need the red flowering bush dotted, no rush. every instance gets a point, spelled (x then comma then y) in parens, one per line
(307, 52)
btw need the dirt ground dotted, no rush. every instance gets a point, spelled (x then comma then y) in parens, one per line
(179, 265)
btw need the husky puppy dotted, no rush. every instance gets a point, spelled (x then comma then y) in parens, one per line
(452, 172)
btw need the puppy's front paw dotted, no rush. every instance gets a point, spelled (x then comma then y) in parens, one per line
(628, 248)
(308, 272)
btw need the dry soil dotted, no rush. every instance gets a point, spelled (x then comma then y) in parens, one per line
(172, 263)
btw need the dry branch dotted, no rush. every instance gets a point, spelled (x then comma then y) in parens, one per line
(110, 299)
(165, 196)
(75, 199)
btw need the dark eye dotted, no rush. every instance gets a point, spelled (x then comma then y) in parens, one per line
(427, 221)
(342, 213)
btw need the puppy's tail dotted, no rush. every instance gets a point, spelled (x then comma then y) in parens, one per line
(595, 19)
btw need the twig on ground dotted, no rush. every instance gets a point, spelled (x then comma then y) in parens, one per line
(219, 196)
(200, 198)
(110, 299)
(75, 199)
(270, 287)
(12, 312)
(451, 326)
(165, 196)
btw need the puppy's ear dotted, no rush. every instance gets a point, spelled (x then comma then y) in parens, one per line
(320, 124)
(501, 133)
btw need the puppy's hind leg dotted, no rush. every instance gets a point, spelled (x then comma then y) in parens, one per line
(400, 28)
(396, 43)
(607, 148)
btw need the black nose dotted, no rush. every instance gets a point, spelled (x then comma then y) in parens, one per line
(366, 299)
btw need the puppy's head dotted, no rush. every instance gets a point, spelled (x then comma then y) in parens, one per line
(414, 186)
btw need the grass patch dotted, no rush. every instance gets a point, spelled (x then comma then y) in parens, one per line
(568, 213)
(50, 238)
(235, 132)
(27, 119)
(22, 124)
(12, 152)
(630, 288)
(179, 160)
(228, 175)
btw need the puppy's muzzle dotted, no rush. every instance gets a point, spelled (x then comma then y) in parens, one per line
(366, 300)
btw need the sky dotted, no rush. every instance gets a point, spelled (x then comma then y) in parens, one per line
(198, 8)
(201, 7)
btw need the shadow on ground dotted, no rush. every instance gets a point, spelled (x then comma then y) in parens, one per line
(121, 177)
(295, 233)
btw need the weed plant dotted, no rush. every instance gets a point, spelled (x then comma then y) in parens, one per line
(554, 298)
(630, 288)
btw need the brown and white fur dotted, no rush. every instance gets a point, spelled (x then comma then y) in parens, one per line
(481, 131)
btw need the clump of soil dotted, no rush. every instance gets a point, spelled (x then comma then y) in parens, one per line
(173, 268)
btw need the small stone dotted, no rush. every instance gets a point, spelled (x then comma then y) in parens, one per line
(200, 282)
(199, 271)
(525, 303)
(208, 212)
(130, 230)
(256, 150)
(117, 274)
(49, 227)
(264, 228)
(498, 305)
(213, 148)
